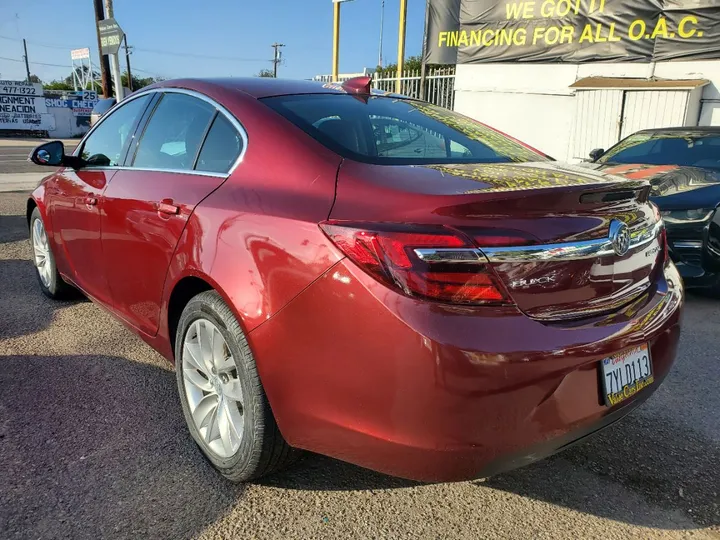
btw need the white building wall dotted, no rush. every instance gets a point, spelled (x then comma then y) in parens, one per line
(67, 125)
(533, 102)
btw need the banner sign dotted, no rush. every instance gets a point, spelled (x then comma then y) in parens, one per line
(80, 54)
(20, 88)
(22, 107)
(80, 107)
(110, 36)
(573, 31)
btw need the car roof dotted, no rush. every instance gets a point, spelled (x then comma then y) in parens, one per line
(262, 87)
(687, 130)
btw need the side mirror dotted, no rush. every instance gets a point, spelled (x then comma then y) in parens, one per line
(597, 154)
(49, 154)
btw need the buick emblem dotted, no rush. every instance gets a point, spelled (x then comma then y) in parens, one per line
(619, 237)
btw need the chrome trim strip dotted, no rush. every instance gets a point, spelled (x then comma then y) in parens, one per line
(169, 90)
(688, 244)
(571, 251)
(457, 255)
(600, 305)
(566, 251)
(148, 169)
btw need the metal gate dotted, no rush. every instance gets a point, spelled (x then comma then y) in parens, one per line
(646, 110)
(597, 119)
(439, 85)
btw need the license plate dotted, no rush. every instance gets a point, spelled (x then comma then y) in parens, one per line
(626, 373)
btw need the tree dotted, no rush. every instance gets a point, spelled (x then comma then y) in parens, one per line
(413, 63)
(58, 85)
(68, 82)
(265, 73)
(35, 79)
(138, 82)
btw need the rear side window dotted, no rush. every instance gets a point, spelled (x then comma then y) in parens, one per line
(390, 131)
(174, 133)
(221, 148)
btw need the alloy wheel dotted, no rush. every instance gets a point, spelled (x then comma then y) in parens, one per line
(212, 388)
(41, 252)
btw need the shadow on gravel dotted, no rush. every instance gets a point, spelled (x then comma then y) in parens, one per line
(320, 473)
(96, 447)
(13, 228)
(24, 310)
(659, 462)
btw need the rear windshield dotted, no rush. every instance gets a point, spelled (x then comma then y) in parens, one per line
(390, 131)
(684, 149)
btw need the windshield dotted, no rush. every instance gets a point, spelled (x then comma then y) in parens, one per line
(686, 149)
(391, 131)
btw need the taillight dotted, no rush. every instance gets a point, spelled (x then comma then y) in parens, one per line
(428, 262)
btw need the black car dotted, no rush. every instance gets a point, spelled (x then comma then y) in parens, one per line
(683, 168)
(101, 107)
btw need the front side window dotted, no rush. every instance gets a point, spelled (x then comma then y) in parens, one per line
(173, 135)
(390, 131)
(105, 146)
(221, 148)
(671, 148)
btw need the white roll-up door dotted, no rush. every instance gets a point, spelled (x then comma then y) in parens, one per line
(597, 121)
(654, 109)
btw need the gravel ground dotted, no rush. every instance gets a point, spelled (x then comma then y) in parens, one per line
(93, 445)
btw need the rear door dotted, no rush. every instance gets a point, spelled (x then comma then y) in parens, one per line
(186, 150)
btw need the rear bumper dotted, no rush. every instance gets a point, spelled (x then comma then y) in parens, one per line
(358, 372)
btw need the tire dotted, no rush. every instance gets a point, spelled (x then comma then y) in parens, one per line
(51, 283)
(261, 448)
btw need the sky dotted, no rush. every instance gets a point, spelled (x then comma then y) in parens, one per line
(205, 38)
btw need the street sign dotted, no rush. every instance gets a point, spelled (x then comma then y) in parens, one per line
(80, 54)
(111, 35)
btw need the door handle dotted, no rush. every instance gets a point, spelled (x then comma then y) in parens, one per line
(166, 206)
(90, 201)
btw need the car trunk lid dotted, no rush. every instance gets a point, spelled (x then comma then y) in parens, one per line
(532, 222)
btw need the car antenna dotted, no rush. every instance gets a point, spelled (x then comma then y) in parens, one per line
(357, 85)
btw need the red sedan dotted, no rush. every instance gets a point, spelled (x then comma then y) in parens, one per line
(362, 275)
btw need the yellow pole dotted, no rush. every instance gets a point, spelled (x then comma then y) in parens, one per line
(336, 40)
(401, 46)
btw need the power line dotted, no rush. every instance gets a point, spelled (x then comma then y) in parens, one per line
(35, 63)
(151, 51)
(37, 44)
(201, 56)
(154, 73)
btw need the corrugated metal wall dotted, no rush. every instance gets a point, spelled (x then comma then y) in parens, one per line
(597, 117)
(654, 109)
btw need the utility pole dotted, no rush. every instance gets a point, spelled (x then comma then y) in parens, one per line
(27, 63)
(127, 61)
(336, 40)
(382, 20)
(104, 61)
(114, 62)
(423, 53)
(276, 58)
(401, 46)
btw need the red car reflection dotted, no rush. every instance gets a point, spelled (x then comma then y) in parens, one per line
(365, 276)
